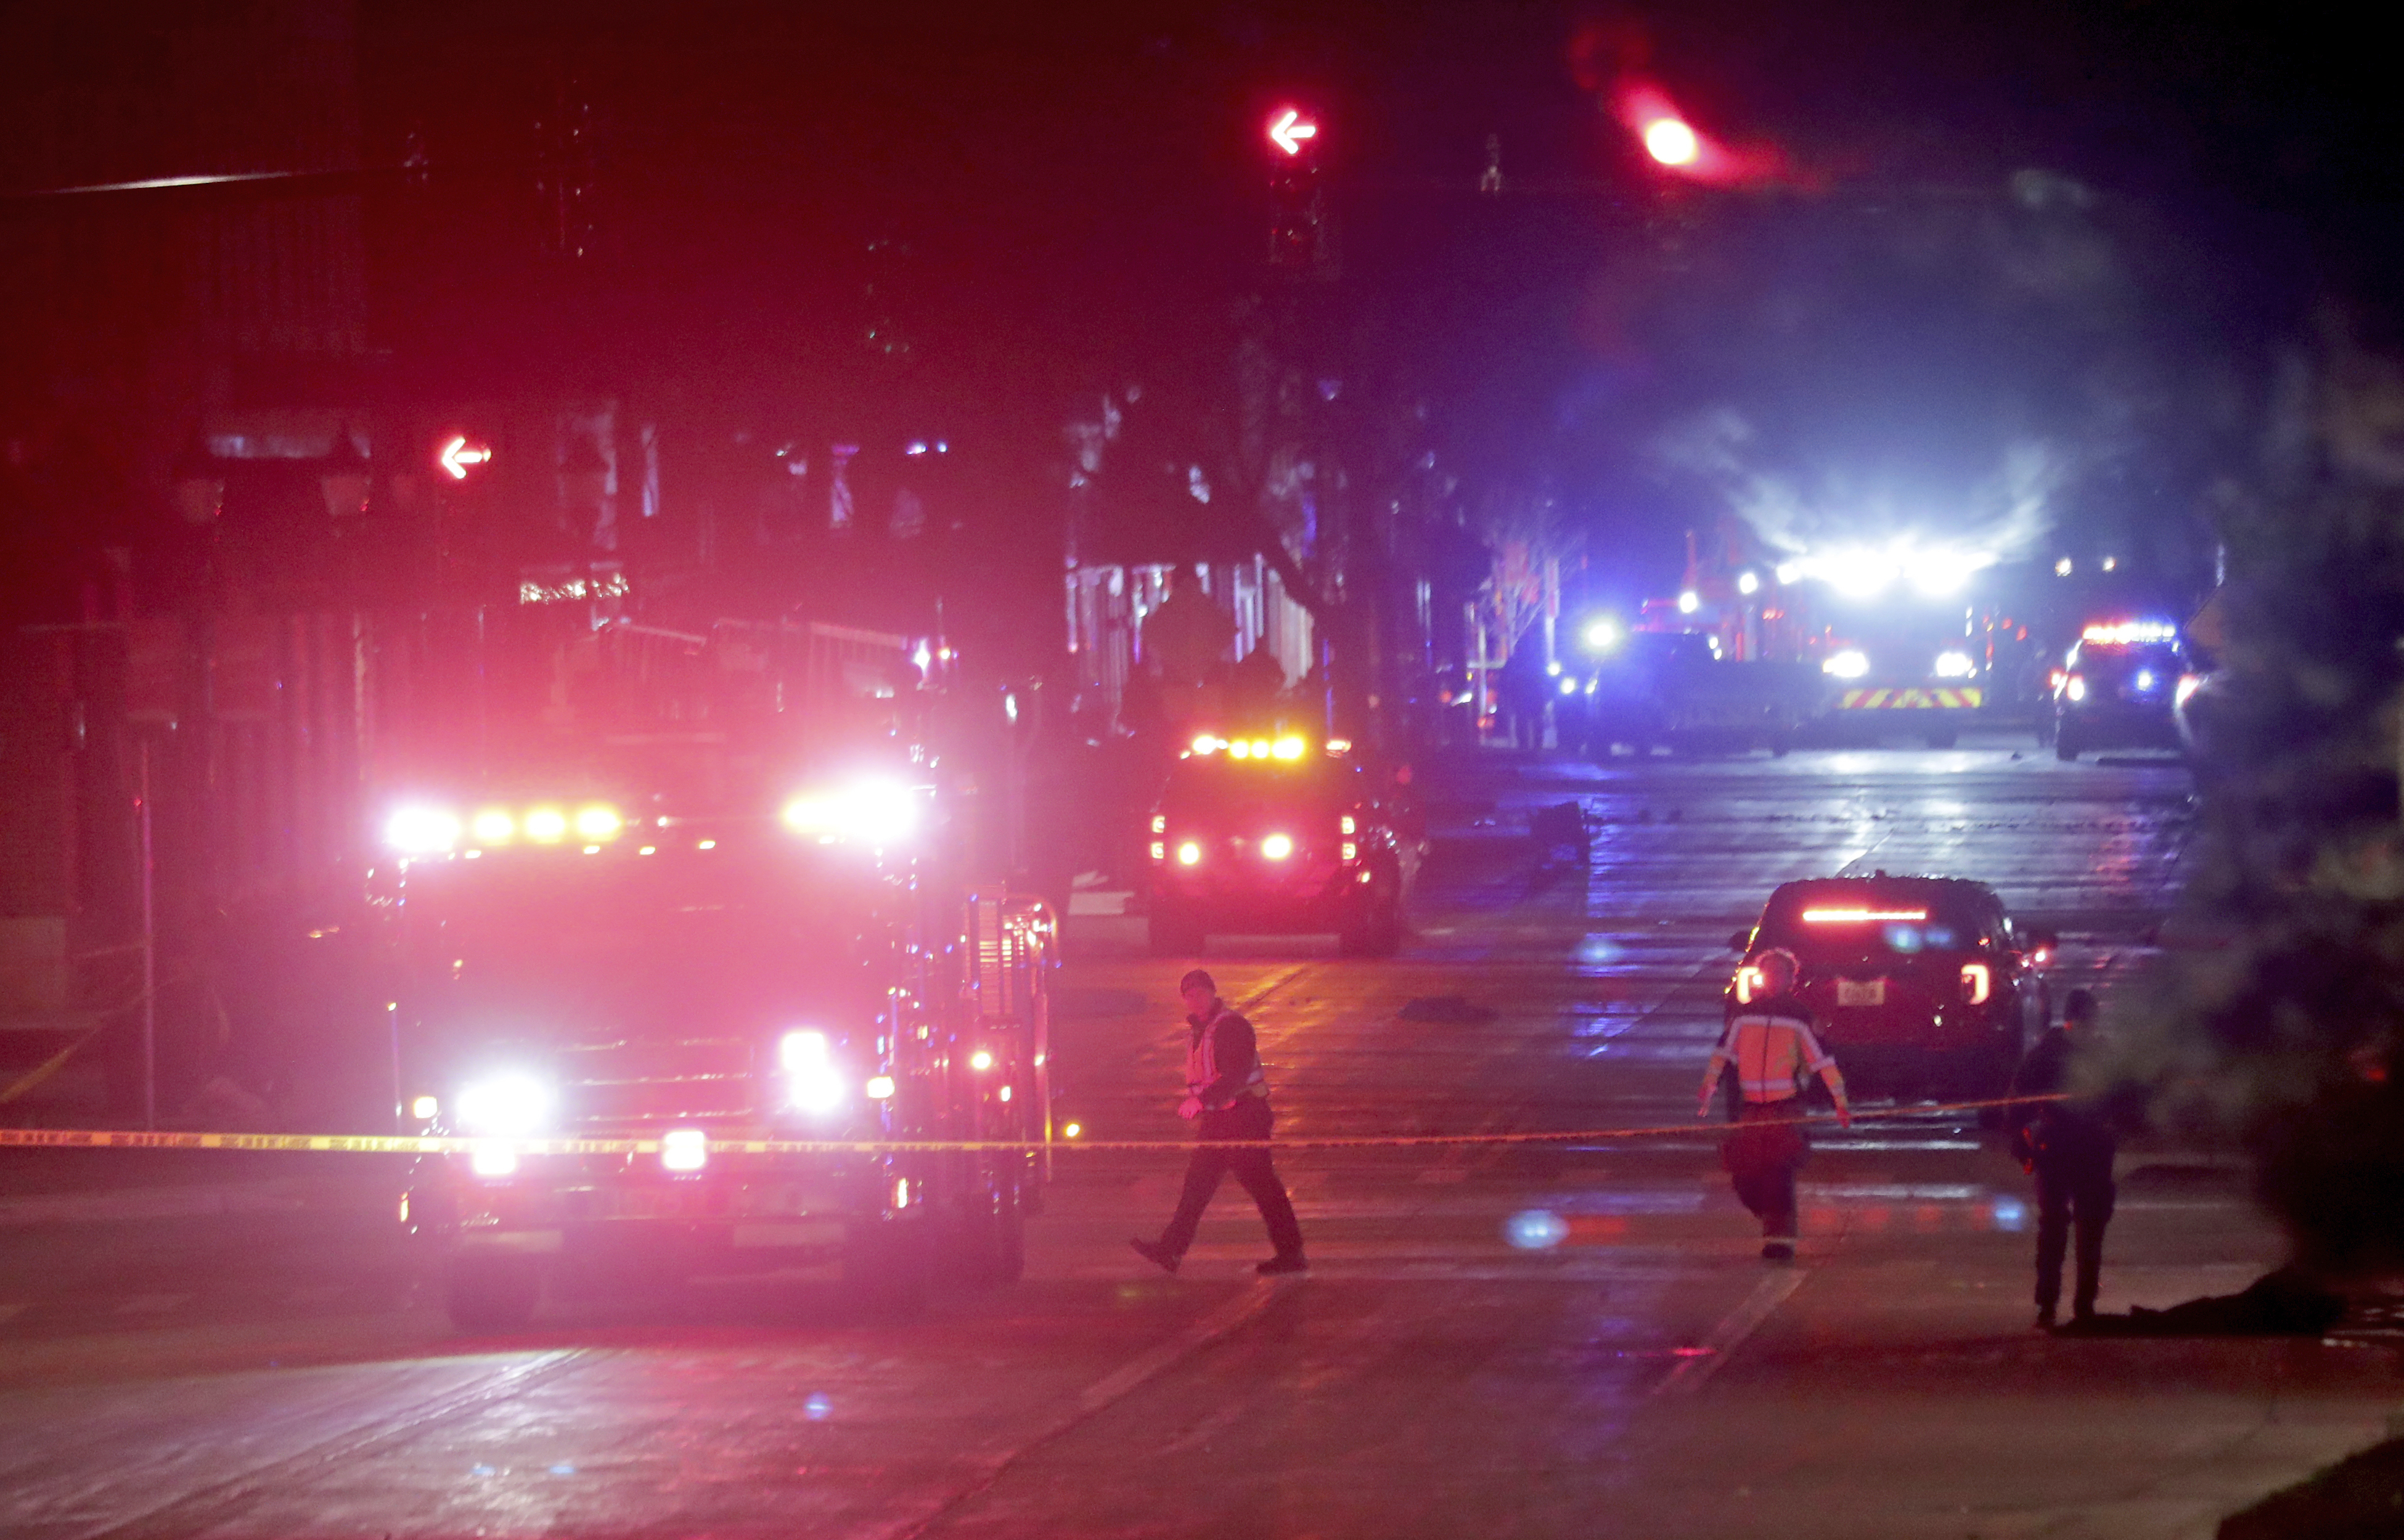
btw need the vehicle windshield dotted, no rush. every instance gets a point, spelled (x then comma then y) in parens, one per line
(726, 939)
(1854, 922)
(1217, 788)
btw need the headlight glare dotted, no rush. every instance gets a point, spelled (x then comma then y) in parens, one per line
(1851, 663)
(813, 1082)
(422, 830)
(507, 1106)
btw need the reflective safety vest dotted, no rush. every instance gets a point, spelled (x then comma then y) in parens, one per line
(1202, 1061)
(1771, 1053)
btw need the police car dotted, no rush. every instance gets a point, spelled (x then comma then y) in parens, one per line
(1275, 834)
(2117, 689)
(1920, 986)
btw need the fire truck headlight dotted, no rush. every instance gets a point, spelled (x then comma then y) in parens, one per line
(1276, 847)
(493, 826)
(1189, 854)
(493, 1160)
(982, 1060)
(1955, 665)
(1689, 601)
(813, 1083)
(599, 822)
(2075, 688)
(880, 1088)
(424, 1109)
(505, 1105)
(1602, 635)
(1851, 663)
(869, 813)
(546, 826)
(684, 1150)
(422, 830)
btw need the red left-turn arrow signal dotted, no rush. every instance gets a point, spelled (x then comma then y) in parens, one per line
(1289, 129)
(458, 453)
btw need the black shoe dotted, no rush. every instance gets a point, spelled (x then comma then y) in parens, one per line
(1157, 1254)
(1277, 1265)
(2044, 1318)
(1778, 1250)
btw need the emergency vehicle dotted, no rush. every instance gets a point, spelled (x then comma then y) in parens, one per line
(1919, 986)
(775, 928)
(1277, 834)
(2119, 686)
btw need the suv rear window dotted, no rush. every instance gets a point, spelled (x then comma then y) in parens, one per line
(1861, 919)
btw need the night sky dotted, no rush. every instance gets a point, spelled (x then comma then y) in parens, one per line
(1045, 203)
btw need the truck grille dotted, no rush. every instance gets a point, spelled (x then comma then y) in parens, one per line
(657, 1083)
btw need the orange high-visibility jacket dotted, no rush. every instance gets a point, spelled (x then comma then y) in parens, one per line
(1772, 1054)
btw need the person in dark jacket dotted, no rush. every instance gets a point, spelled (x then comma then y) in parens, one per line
(2069, 1146)
(1227, 1100)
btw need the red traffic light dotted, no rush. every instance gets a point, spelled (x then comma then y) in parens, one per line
(458, 453)
(1289, 129)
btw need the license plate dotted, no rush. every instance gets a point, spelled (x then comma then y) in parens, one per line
(1866, 991)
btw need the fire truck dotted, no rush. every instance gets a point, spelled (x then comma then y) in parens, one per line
(733, 886)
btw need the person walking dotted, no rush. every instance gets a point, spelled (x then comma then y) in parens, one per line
(1227, 1100)
(2069, 1146)
(1771, 1046)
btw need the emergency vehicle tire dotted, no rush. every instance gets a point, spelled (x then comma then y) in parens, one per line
(2065, 747)
(885, 1269)
(1174, 933)
(989, 1248)
(1377, 933)
(492, 1295)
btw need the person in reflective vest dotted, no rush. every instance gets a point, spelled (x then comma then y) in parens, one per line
(1227, 1100)
(1770, 1048)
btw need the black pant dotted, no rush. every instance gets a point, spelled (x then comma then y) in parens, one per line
(1249, 1119)
(1763, 1162)
(2071, 1192)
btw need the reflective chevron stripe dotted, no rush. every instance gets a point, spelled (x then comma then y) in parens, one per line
(1966, 698)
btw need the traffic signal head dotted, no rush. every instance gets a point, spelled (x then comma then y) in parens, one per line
(1291, 132)
(457, 454)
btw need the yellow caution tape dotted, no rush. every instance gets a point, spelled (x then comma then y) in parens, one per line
(374, 1144)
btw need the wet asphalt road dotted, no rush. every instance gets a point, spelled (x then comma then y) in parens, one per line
(258, 1358)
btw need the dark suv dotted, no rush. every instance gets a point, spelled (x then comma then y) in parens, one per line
(2117, 690)
(1272, 834)
(1919, 985)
